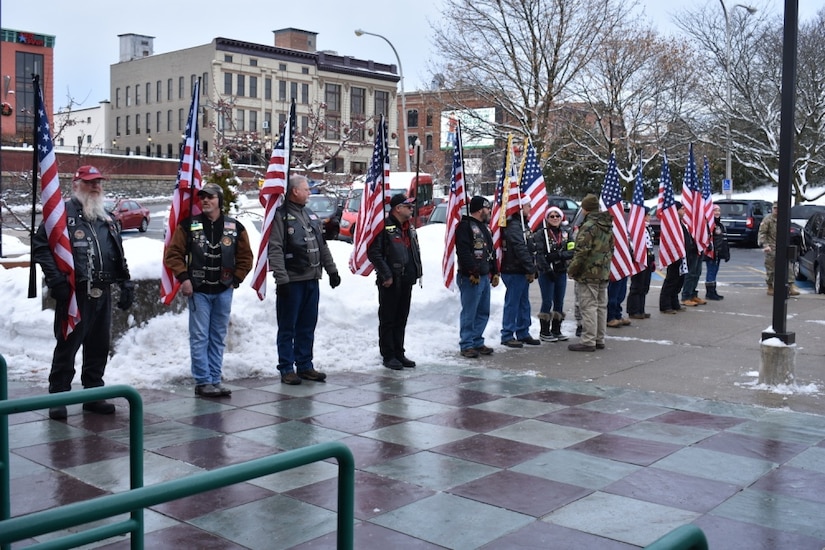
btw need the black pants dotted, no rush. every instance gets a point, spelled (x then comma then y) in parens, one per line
(393, 310)
(669, 296)
(639, 287)
(93, 333)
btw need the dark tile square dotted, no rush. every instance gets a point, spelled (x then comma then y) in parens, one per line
(179, 536)
(257, 382)
(352, 397)
(235, 420)
(456, 396)
(353, 421)
(370, 536)
(368, 452)
(521, 493)
(588, 420)
(98, 423)
(74, 452)
(560, 397)
(673, 489)
(249, 397)
(48, 490)
(698, 420)
(215, 452)
(752, 446)
(794, 482)
(541, 535)
(474, 420)
(185, 509)
(374, 494)
(729, 534)
(625, 449)
(495, 451)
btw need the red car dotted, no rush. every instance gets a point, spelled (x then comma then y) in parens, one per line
(128, 214)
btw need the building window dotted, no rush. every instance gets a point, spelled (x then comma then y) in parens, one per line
(332, 97)
(293, 91)
(227, 58)
(382, 103)
(158, 92)
(282, 66)
(281, 122)
(429, 118)
(117, 98)
(241, 85)
(148, 123)
(157, 122)
(358, 111)
(304, 70)
(304, 124)
(169, 150)
(117, 126)
(128, 96)
(148, 93)
(192, 80)
(204, 118)
(253, 86)
(227, 83)
(428, 142)
(358, 168)
(181, 93)
(412, 118)
(253, 62)
(137, 124)
(267, 89)
(169, 120)
(180, 120)
(204, 87)
(268, 122)
(282, 90)
(253, 121)
(169, 90)
(137, 94)
(239, 120)
(305, 94)
(26, 64)
(128, 126)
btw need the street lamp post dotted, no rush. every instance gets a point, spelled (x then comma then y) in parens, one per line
(401, 150)
(751, 10)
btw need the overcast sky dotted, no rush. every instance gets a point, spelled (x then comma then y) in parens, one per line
(87, 44)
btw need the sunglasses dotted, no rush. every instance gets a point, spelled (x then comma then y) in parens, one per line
(554, 216)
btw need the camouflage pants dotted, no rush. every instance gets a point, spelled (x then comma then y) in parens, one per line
(770, 263)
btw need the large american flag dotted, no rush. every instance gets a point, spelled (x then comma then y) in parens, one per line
(532, 185)
(703, 237)
(498, 216)
(271, 197)
(621, 265)
(54, 211)
(636, 221)
(183, 198)
(370, 221)
(671, 238)
(455, 204)
(692, 195)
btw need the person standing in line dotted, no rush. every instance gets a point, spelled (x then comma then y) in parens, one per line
(590, 268)
(640, 282)
(477, 272)
(397, 260)
(518, 270)
(767, 240)
(693, 259)
(616, 294)
(99, 261)
(674, 276)
(298, 255)
(210, 255)
(556, 243)
(720, 250)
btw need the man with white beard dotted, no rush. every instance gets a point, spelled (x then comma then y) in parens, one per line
(99, 261)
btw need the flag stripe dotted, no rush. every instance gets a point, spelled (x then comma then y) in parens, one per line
(455, 205)
(532, 185)
(622, 264)
(671, 238)
(636, 222)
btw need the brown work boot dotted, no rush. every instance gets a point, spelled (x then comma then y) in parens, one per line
(792, 290)
(697, 300)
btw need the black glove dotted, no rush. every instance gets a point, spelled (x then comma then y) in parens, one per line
(61, 292)
(334, 280)
(566, 255)
(127, 295)
(282, 291)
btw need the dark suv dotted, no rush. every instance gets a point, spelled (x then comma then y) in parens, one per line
(741, 218)
(811, 263)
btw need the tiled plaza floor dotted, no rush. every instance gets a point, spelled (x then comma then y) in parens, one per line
(447, 458)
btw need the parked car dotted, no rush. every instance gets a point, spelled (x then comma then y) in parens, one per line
(565, 204)
(128, 214)
(801, 212)
(741, 218)
(812, 255)
(439, 214)
(326, 207)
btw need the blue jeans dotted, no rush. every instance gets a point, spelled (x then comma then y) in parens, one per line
(616, 293)
(553, 287)
(475, 311)
(208, 324)
(297, 314)
(515, 320)
(694, 263)
(713, 270)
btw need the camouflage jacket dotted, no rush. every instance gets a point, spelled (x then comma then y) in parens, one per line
(767, 232)
(594, 249)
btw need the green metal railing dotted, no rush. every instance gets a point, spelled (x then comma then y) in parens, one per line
(686, 537)
(139, 497)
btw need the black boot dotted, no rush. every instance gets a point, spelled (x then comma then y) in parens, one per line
(710, 293)
(555, 329)
(544, 334)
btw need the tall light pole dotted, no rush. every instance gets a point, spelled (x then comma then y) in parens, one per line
(404, 149)
(751, 10)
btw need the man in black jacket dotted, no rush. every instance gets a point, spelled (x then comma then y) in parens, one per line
(397, 260)
(477, 271)
(518, 270)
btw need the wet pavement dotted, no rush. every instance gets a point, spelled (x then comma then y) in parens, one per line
(531, 448)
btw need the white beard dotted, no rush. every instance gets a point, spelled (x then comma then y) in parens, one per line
(92, 206)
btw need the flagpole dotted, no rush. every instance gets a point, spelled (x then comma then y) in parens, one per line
(384, 161)
(460, 144)
(518, 181)
(291, 124)
(192, 169)
(35, 170)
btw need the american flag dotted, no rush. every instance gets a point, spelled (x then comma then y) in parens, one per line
(513, 188)
(671, 238)
(183, 198)
(455, 204)
(692, 195)
(636, 221)
(498, 216)
(621, 265)
(532, 185)
(370, 221)
(54, 211)
(703, 237)
(271, 197)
